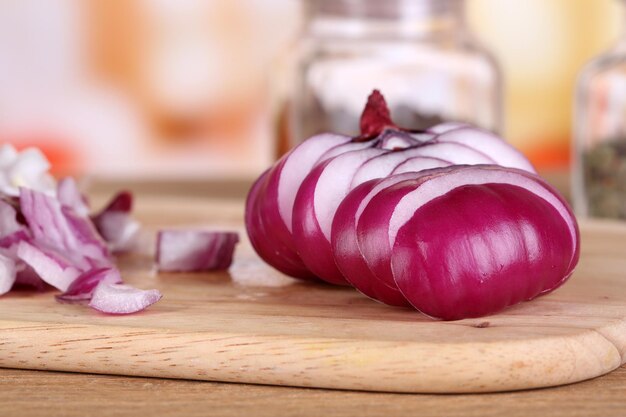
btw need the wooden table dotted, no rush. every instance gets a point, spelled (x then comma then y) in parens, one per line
(36, 393)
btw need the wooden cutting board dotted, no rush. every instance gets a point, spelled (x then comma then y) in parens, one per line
(256, 326)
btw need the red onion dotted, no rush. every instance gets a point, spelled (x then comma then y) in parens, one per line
(116, 225)
(195, 250)
(69, 196)
(47, 238)
(52, 267)
(59, 228)
(81, 289)
(478, 239)
(122, 299)
(344, 205)
(7, 274)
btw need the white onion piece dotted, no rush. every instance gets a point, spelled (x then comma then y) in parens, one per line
(28, 168)
(298, 164)
(195, 250)
(120, 231)
(7, 274)
(50, 266)
(69, 196)
(489, 144)
(8, 220)
(122, 299)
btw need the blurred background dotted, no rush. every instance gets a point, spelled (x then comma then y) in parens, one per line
(197, 89)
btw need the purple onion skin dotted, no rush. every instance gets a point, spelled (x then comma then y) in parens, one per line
(266, 244)
(273, 222)
(481, 248)
(314, 248)
(348, 256)
(373, 226)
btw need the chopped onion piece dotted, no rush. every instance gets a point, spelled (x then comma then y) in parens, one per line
(7, 274)
(51, 267)
(63, 230)
(28, 168)
(82, 288)
(115, 224)
(69, 196)
(122, 299)
(8, 219)
(194, 250)
(27, 277)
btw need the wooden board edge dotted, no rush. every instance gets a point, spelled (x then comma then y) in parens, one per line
(308, 362)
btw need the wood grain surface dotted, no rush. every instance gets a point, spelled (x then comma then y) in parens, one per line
(36, 394)
(257, 326)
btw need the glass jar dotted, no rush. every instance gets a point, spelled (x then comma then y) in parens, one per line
(419, 53)
(599, 170)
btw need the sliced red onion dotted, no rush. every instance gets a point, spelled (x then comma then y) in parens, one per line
(27, 277)
(372, 227)
(81, 289)
(454, 153)
(8, 219)
(297, 165)
(69, 196)
(518, 240)
(116, 225)
(50, 266)
(466, 176)
(256, 233)
(419, 163)
(317, 200)
(396, 139)
(348, 255)
(345, 148)
(394, 207)
(275, 246)
(383, 165)
(61, 229)
(447, 127)
(422, 137)
(489, 144)
(122, 299)
(7, 274)
(195, 250)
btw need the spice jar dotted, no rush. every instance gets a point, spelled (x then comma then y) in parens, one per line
(419, 53)
(599, 174)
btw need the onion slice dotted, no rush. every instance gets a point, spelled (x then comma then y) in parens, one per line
(51, 267)
(61, 229)
(122, 299)
(7, 274)
(69, 196)
(489, 144)
(518, 240)
(81, 289)
(116, 225)
(195, 250)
